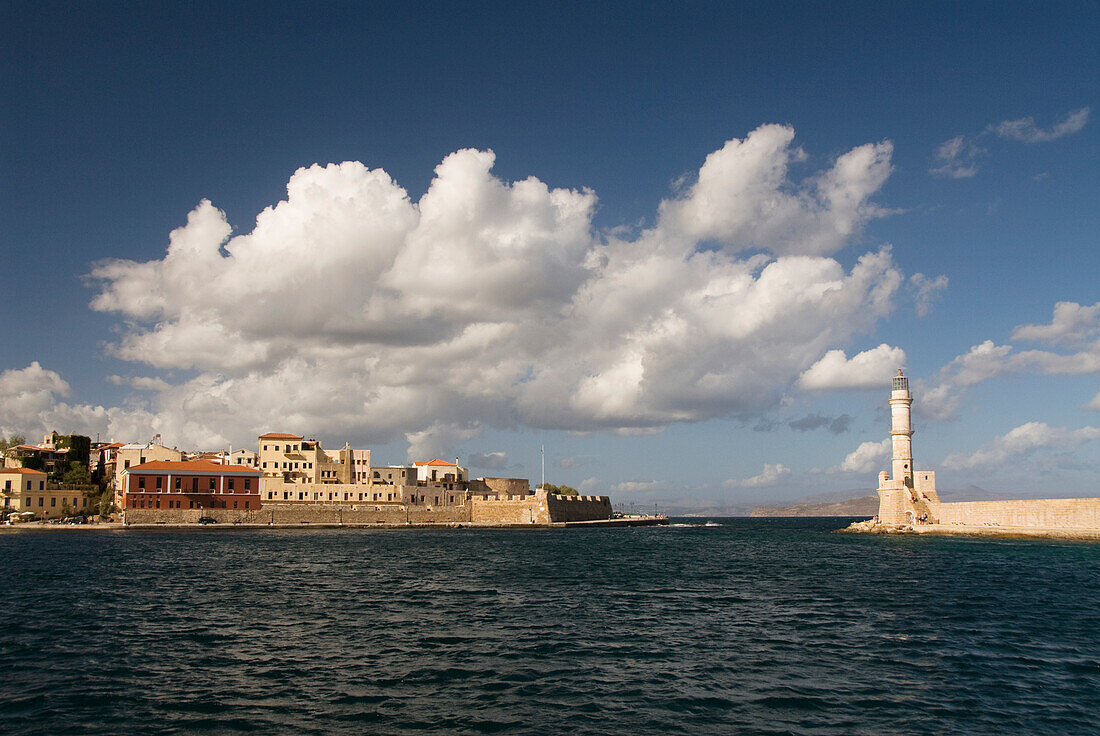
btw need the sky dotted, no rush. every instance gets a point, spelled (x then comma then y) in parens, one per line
(682, 247)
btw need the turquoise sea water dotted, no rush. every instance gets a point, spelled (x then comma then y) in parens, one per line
(754, 626)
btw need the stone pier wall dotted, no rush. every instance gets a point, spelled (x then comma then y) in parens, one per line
(1062, 513)
(538, 508)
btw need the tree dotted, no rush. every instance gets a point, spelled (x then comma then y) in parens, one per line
(106, 503)
(561, 490)
(76, 475)
(14, 441)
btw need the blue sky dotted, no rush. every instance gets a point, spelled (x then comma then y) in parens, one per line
(648, 313)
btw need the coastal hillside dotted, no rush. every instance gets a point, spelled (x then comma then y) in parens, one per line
(862, 506)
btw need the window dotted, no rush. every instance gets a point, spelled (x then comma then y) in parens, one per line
(41, 501)
(248, 484)
(230, 484)
(28, 485)
(141, 459)
(212, 486)
(160, 482)
(276, 448)
(178, 484)
(246, 504)
(125, 464)
(265, 448)
(234, 504)
(194, 485)
(192, 505)
(53, 502)
(41, 485)
(7, 485)
(158, 503)
(141, 482)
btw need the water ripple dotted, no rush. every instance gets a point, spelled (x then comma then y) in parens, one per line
(755, 627)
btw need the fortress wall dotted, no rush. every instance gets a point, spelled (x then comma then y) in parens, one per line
(578, 508)
(1062, 513)
(191, 516)
(501, 486)
(529, 509)
(536, 508)
(893, 503)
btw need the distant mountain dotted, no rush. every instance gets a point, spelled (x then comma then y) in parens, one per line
(863, 506)
(703, 508)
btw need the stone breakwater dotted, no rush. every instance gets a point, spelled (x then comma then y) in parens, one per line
(988, 529)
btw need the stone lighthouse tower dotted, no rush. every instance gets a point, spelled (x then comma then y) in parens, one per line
(901, 431)
(905, 495)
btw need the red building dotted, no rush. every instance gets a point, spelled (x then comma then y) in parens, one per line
(190, 484)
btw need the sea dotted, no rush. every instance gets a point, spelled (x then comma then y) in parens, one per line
(733, 626)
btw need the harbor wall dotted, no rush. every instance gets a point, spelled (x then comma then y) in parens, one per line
(578, 508)
(538, 508)
(1062, 513)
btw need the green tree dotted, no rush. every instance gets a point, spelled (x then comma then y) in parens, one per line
(561, 490)
(76, 475)
(34, 462)
(106, 503)
(66, 510)
(14, 441)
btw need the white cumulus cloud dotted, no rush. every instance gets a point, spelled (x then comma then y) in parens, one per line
(869, 369)
(351, 311)
(1020, 443)
(866, 458)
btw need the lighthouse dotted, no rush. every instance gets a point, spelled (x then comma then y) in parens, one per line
(901, 430)
(904, 494)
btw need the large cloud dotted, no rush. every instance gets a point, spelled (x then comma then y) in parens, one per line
(869, 369)
(1022, 442)
(350, 310)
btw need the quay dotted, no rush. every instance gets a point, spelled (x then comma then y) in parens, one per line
(633, 521)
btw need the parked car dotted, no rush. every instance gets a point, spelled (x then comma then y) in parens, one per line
(204, 520)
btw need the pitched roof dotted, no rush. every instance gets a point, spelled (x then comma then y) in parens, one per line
(192, 466)
(280, 436)
(22, 471)
(437, 461)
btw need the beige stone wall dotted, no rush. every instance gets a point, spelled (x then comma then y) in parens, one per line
(500, 486)
(1059, 513)
(538, 508)
(526, 509)
(578, 508)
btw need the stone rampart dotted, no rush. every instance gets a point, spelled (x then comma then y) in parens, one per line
(1060, 513)
(500, 486)
(578, 508)
(526, 509)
